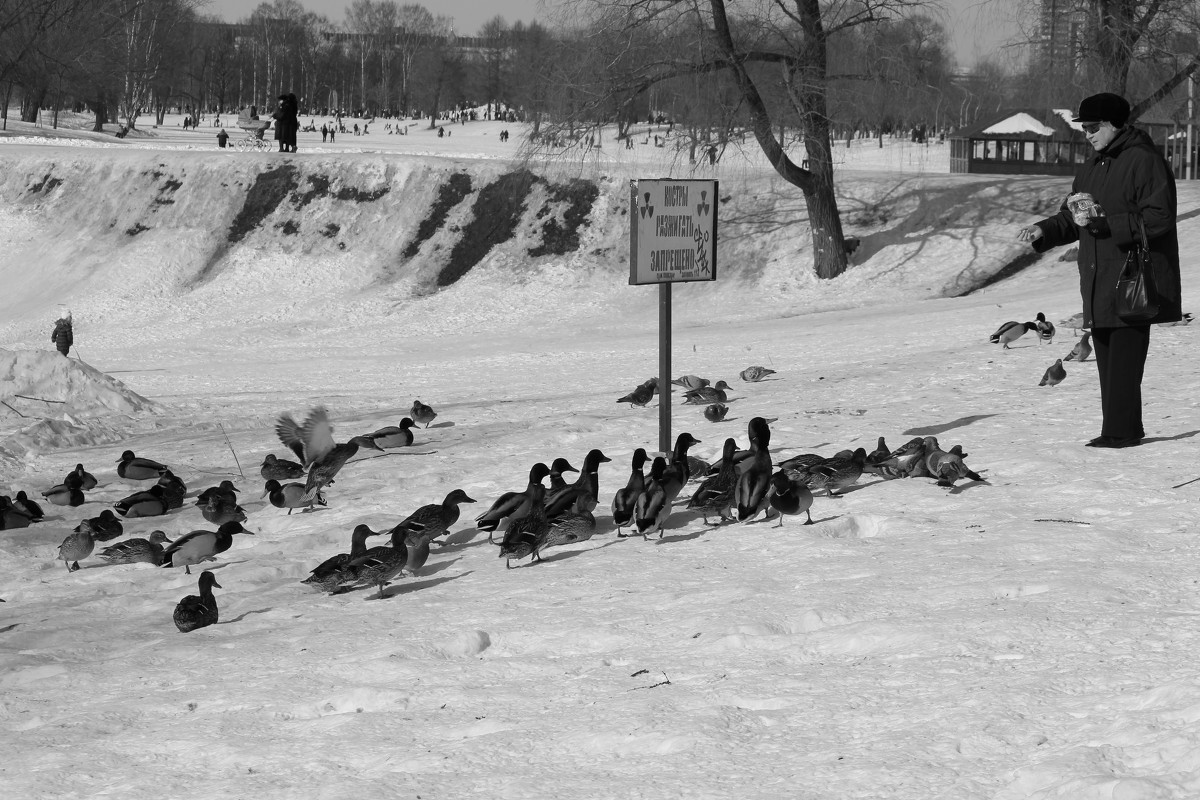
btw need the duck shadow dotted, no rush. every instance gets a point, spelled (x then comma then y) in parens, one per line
(414, 586)
(959, 489)
(8, 628)
(244, 615)
(467, 537)
(935, 430)
(426, 570)
(446, 424)
(565, 554)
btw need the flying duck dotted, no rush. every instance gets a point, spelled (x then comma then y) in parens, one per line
(313, 443)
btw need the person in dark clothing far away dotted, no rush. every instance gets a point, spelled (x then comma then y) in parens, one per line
(64, 334)
(1125, 186)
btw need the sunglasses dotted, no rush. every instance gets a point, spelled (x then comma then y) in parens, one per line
(1091, 127)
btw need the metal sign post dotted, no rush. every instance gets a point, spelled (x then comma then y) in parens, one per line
(672, 238)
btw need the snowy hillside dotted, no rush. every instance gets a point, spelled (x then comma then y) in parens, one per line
(1029, 636)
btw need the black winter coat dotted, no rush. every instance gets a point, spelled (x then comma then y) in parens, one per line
(1129, 178)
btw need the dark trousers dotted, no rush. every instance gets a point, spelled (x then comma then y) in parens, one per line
(1121, 359)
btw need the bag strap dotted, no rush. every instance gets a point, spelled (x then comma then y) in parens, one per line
(1142, 232)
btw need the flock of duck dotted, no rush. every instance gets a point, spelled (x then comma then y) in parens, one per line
(1055, 374)
(740, 486)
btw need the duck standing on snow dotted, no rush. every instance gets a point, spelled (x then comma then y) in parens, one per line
(431, 521)
(715, 494)
(755, 374)
(624, 502)
(421, 413)
(527, 536)
(583, 494)
(750, 494)
(76, 547)
(394, 435)
(135, 468)
(653, 508)
(679, 467)
(327, 575)
(790, 497)
(1054, 375)
(198, 611)
(557, 467)
(1009, 332)
(150, 503)
(313, 443)
(290, 496)
(1082, 348)
(512, 505)
(280, 469)
(1045, 328)
(137, 551)
(838, 473)
(197, 546)
(379, 566)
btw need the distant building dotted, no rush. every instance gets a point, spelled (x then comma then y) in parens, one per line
(1062, 26)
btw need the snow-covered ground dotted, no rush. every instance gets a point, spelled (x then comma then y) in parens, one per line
(1026, 637)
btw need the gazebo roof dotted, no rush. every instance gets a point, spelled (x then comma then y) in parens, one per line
(1027, 124)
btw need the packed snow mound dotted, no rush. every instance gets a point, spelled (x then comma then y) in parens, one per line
(68, 385)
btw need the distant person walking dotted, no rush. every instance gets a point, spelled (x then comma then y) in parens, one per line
(1125, 188)
(64, 334)
(287, 122)
(222, 138)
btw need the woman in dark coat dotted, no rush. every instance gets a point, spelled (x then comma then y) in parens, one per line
(1129, 181)
(287, 122)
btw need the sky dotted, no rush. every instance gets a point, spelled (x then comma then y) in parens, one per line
(977, 27)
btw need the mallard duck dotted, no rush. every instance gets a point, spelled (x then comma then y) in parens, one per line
(222, 508)
(526, 536)
(394, 435)
(707, 394)
(28, 507)
(174, 489)
(431, 521)
(1054, 374)
(136, 468)
(280, 469)
(290, 496)
(377, 566)
(1045, 328)
(67, 493)
(75, 548)
(137, 551)
(755, 374)
(691, 382)
(1010, 331)
(790, 497)
(583, 493)
(421, 413)
(624, 502)
(653, 507)
(198, 611)
(224, 490)
(313, 443)
(1082, 348)
(150, 503)
(328, 575)
(197, 546)
(679, 467)
(511, 505)
(715, 494)
(570, 528)
(750, 494)
(946, 467)
(557, 467)
(716, 412)
(87, 481)
(838, 473)
(104, 527)
(12, 517)
(639, 396)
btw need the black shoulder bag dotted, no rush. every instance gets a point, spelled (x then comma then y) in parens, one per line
(1137, 300)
